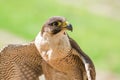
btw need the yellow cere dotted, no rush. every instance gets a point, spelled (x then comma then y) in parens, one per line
(65, 24)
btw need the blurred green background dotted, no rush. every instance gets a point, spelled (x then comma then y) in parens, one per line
(96, 24)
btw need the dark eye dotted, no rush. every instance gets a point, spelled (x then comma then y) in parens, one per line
(56, 23)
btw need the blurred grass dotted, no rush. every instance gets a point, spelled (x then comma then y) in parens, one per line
(98, 36)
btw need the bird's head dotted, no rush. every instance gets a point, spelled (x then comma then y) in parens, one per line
(55, 25)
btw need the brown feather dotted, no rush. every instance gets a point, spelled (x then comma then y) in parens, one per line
(20, 62)
(81, 53)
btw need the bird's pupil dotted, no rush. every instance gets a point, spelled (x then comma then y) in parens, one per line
(55, 23)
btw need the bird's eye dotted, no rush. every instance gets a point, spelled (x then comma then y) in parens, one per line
(56, 23)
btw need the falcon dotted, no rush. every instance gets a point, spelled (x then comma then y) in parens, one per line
(63, 59)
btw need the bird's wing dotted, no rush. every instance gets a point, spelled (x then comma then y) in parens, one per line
(20, 62)
(88, 64)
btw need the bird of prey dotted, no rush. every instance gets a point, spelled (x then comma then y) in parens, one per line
(63, 59)
(20, 62)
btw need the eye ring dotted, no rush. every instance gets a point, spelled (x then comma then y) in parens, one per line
(56, 23)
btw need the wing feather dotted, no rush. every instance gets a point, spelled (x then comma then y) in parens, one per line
(20, 62)
(89, 66)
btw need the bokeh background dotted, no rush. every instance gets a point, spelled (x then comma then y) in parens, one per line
(96, 26)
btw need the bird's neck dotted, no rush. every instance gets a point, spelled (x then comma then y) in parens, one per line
(59, 42)
(53, 47)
